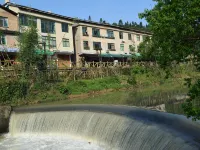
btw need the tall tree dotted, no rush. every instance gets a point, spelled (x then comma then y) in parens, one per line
(89, 18)
(114, 24)
(101, 20)
(28, 43)
(141, 25)
(120, 22)
(176, 35)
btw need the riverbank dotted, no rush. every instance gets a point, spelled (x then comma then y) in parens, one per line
(145, 81)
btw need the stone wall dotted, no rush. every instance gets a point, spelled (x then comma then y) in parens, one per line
(5, 112)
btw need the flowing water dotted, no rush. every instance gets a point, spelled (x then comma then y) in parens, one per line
(87, 130)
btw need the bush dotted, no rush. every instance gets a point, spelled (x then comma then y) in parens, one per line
(138, 69)
(132, 80)
(11, 90)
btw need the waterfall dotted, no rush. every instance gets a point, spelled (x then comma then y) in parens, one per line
(105, 129)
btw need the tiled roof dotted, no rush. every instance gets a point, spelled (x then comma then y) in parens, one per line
(73, 19)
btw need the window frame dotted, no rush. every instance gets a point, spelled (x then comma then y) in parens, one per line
(50, 44)
(65, 42)
(110, 33)
(4, 22)
(1, 41)
(121, 47)
(50, 24)
(84, 32)
(121, 35)
(110, 45)
(98, 33)
(65, 27)
(97, 48)
(86, 47)
(138, 37)
(129, 36)
(27, 20)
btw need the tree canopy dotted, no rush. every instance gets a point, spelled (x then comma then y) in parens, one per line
(175, 25)
(175, 28)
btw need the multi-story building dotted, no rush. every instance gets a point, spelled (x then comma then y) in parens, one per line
(95, 41)
(8, 34)
(55, 30)
(70, 39)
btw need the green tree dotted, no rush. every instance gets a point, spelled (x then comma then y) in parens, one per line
(101, 20)
(115, 24)
(28, 43)
(141, 25)
(120, 23)
(176, 32)
(89, 18)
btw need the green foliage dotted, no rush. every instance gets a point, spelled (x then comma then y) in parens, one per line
(84, 86)
(176, 33)
(132, 80)
(192, 106)
(12, 90)
(138, 69)
(147, 51)
(131, 25)
(28, 43)
(175, 26)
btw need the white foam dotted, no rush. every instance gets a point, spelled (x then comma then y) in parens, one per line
(42, 142)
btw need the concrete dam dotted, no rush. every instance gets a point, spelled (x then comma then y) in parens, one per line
(101, 127)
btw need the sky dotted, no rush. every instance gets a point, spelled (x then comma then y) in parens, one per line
(109, 10)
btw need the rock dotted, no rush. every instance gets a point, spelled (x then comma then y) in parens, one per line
(5, 112)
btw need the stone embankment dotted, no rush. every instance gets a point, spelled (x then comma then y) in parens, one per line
(5, 112)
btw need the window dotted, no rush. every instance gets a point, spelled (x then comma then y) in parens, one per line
(95, 32)
(84, 30)
(131, 48)
(138, 37)
(64, 27)
(50, 42)
(2, 40)
(129, 37)
(122, 47)
(66, 43)
(86, 45)
(110, 34)
(111, 46)
(144, 37)
(97, 45)
(121, 35)
(26, 20)
(3, 22)
(48, 26)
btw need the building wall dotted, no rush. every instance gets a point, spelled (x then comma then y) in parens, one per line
(104, 41)
(11, 41)
(58, 30)
(12, 20)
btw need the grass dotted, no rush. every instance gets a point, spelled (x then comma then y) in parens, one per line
(85, 86)
(128, 96)
(146, 82)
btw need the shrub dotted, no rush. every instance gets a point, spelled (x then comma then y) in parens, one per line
(11, 90)
(138, 69)
(132, 80)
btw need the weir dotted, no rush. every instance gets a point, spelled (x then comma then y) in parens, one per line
(111, 127)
